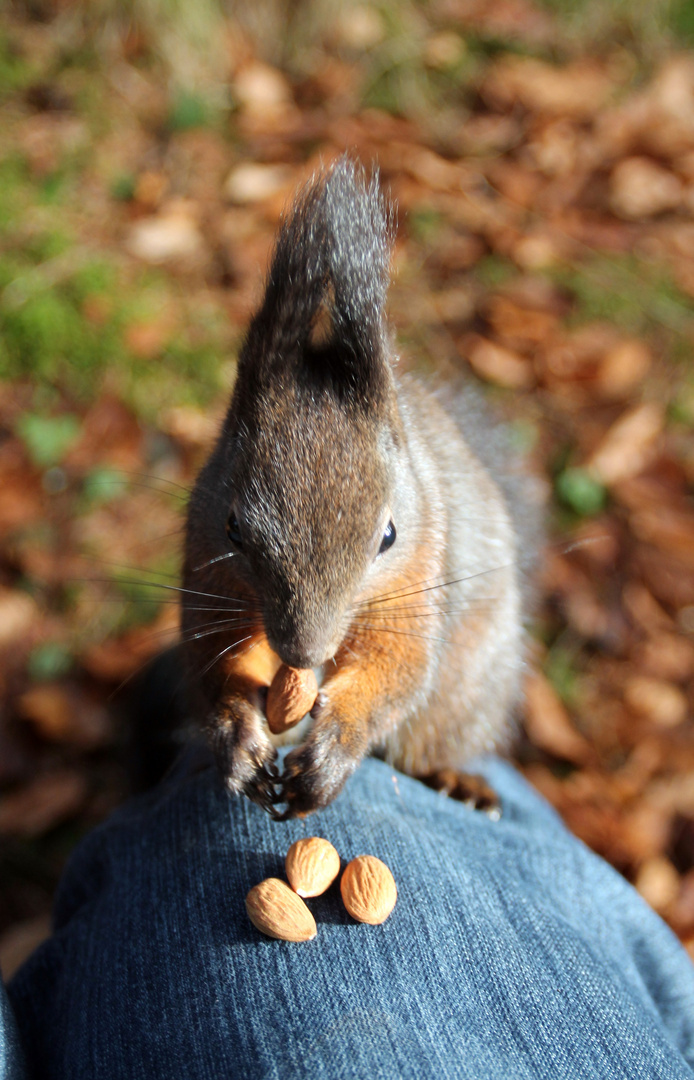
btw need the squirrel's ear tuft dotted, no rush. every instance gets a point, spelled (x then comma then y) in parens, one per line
(325, 296)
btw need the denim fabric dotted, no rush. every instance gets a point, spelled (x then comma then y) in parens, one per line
(512, 951)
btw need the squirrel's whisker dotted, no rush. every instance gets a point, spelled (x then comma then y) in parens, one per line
(416, 591)
(159, 585)
(223, 652)
(406, 633)
(211, 562)
(385, 617)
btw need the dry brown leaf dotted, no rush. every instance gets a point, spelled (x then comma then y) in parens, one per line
(519, 325)
(18, 617)
(670, 581)
(639, 188)
(555, 148)
(646, 830)
(252, 183)
(666, 656)
(110, 435)
(192, 427)
(656, 700)
(435, 172)
(360, 27)
(118, 658)
(65, 714)
(453, 305)
(148, 339)
(536, 250)
(622, 369)
(577, 90)
(170, 235)
(19, 941)
(150, 189)
(667, 529)
(43, 803)
(658, 882)
(548, 723)
(588, 616)
(496, 364)
(629, 445)
(576, 354)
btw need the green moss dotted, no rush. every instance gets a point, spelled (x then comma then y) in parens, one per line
(681, 20)
(48, 438)
(123, 187)
(188, 111)
(14, 190)
(102, 485)
(493, 270)
(561, 671)
(424, 224)
(580, 491)
(49, 661)
(628, 292)
(15, 72)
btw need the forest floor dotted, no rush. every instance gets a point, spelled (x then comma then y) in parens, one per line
(544, 178)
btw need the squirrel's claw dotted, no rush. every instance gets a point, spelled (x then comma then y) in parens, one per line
(261, 788)
(313, 775)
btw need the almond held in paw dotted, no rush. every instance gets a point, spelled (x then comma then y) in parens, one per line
(312, 864)
(368, 890)
(278, 912)
(292, 694)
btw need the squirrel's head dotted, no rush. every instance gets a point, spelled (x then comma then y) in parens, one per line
(308, 457)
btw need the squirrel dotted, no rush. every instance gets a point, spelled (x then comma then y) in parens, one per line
(352, 520)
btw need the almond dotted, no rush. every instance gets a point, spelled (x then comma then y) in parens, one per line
(368, 890)
(279, 913)
(312, 864)
(292, 694)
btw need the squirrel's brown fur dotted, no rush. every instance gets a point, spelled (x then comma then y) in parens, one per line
(289, 549)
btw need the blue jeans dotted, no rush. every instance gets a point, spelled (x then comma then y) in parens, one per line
(512, 951)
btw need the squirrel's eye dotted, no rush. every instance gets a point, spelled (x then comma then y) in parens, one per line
(388, 538)
(233, 530)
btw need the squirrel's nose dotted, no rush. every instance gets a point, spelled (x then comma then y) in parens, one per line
(303, 650)
(301, 657)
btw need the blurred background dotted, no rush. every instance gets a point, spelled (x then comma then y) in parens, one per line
(541, 153)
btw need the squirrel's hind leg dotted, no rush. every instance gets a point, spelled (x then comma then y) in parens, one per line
(469, 788)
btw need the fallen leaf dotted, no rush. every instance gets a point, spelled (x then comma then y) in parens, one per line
(548, 724)
(43, 803)
(658, 882)
(150, 189)
(359, 26)
(65, 714)
(622, 369)
(667, 529)
(496, 364)
(173, 234)
(639, 188)
(19, 941)
(18, 616)
(577, 90)
(629, 444)
(118, 658)
(262, 92)
(656, 700)
(192, 427)
(253, 183)
(666, 656)
(148, 339)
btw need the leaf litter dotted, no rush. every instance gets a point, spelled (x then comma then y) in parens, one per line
(545, 247)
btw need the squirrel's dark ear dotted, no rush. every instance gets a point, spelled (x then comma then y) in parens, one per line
(323, 310)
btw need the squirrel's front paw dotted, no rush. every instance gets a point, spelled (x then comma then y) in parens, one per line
(316, 772)
(246, 760)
